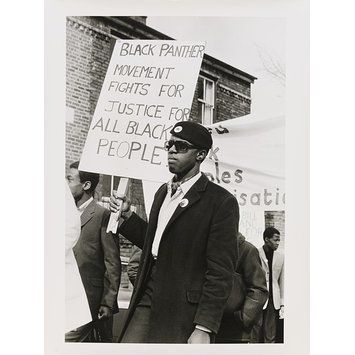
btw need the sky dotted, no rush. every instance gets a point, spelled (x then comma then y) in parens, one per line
(249, 44)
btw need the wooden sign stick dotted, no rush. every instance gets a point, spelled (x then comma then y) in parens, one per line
(115, 216)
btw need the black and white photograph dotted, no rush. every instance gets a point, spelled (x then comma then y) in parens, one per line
(175, 149)
(162, 132)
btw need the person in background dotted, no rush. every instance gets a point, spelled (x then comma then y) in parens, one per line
(97, 255)
(189, 249)
(77, 311)
(272, 262)
(243, 326)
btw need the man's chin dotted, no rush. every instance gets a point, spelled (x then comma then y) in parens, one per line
(172, 169)
(77, 197)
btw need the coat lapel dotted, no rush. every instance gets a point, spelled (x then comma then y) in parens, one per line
(154, 212)
(276, 260)
(157, 203)
(192, 196)
(88, 213)
(263, 256)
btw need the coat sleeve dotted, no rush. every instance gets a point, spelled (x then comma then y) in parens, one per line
(134, 229)
(133, 264)
(112, 262)
(256, 290)
(221, 255)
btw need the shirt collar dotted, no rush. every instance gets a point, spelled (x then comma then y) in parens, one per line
(82, 207)
(185, 186)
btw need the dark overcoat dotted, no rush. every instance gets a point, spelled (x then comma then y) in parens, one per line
(98, 259)
(196, 259)
(239, 327)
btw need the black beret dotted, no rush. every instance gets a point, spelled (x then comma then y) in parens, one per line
(194, 133)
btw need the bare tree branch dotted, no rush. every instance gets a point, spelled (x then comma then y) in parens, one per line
(272, 65)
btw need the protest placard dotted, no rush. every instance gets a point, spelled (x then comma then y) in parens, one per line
(149, 86)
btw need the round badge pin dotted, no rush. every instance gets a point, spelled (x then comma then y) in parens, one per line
(184, 202)
(177, 129)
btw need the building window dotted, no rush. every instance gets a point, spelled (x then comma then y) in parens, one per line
(206, 99)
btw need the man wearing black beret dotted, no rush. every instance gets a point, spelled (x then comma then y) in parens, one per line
(189, 249)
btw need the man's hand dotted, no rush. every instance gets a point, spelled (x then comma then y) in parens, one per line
(116, 200)
(199, 337)
(281, 312)
(104, 312)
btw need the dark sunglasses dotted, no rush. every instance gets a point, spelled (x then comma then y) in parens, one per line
(180, 146)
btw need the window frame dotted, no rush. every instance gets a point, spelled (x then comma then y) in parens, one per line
(212, 103)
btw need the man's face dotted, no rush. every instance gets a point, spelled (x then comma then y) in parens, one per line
(273, 242)
(76, 187)
(181, 162)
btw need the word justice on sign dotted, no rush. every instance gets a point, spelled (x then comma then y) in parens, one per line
(146, 110)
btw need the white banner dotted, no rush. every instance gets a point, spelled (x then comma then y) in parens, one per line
(149, 86)
(247, 158)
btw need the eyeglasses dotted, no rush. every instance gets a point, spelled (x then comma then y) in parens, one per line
(180, 146)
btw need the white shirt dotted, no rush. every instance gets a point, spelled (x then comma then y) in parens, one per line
(168, 208)
(82, 207)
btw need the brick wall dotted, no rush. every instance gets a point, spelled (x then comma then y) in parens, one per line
(230, 104)
(87, 57)
(232, 82)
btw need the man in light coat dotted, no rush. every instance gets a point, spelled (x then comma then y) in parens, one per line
(272, 262)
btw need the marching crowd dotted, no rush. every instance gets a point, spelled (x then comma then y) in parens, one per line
(196, 279)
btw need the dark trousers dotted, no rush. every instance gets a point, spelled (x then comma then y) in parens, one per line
(256, 330)
(270, 321)
(138, 327)
(98, 331)
(280, 331)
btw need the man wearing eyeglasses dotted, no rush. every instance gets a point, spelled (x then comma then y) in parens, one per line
(189, 249)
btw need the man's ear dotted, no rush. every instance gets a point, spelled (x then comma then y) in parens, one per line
(86, 185)
(201, 155)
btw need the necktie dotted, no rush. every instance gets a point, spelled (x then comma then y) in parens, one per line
(174, 187)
